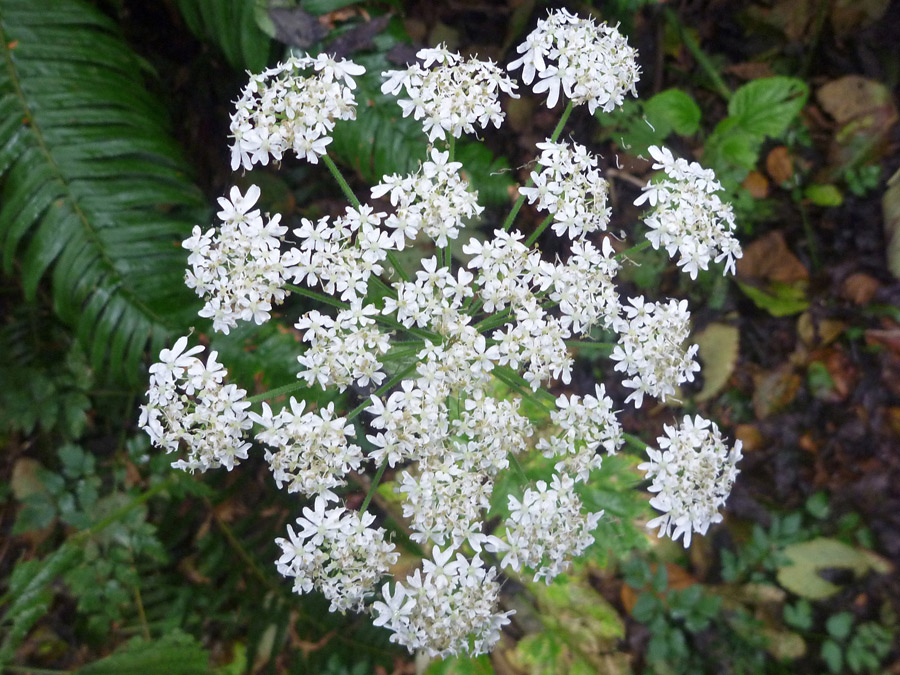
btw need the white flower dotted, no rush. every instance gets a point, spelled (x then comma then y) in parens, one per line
(189, 404)
(586, 62)
(692, 475)
(239, 268)
(570, 188)
(453, 97)
(281, 110)
(337, 553)
(688, 218)
(651, 349)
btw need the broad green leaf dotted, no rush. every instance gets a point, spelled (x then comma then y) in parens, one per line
(767, 106)
(673, 110)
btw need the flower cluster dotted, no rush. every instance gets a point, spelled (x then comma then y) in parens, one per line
(688, 217)
(281, 110)
(435, 200)
(692, 474)
(570, 188)
(189, 404)
(238, 268)
(456, 339)
(651, 349)
(312, 454)
(452, 609)
(546, 529)
(338, 553)
(585, 425)
(591, 63)
(453, 97)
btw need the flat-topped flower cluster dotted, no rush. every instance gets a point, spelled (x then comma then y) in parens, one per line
(429, 349)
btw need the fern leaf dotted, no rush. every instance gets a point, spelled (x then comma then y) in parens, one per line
(94, 191)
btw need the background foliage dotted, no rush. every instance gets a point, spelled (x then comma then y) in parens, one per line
(113, 120)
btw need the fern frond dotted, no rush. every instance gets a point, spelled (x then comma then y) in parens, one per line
(94, 190)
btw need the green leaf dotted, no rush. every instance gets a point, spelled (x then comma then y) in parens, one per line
(833, 656)
(175, 654)
(799, 615)
(231, 26)
(780, 300)
(824, 195)
(767, 106)
(839, 625)
(94, 189)
(673, 109)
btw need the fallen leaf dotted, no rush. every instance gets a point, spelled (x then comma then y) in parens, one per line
(779, 164)
(864, 112)
(750, 70)
(769, 258)
(818, 333)
(719, 344)
(750, 436)
(756, 184)
(859, 288)
(774, 391)
(849, 16)
(801, 575)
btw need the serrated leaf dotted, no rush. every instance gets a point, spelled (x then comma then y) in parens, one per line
(767, 106)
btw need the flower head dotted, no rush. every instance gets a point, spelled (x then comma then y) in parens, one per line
(692, 474)
(589, 63)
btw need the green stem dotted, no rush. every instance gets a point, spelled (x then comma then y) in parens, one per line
(603, 346)
(242, 553)
(553, 138)
(375, 481)
(339, 177)
(539, 231)
(699, 55)
(448, 256)
(517, 382)
(634, 249)
(635, 442)
(278, 391)
(315, 295)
